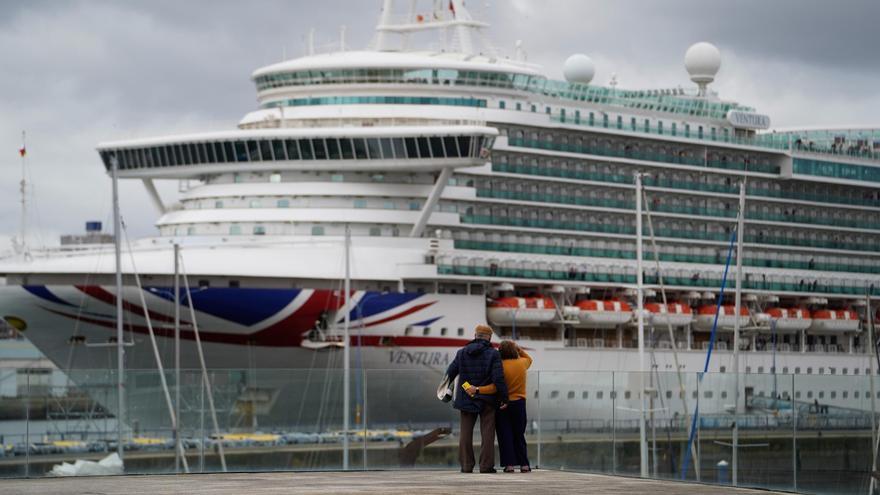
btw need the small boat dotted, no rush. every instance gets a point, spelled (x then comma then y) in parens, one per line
(603, 314)
(706, 317)
(790, 319)
(834, 320)
(675, 314)
(523, 310)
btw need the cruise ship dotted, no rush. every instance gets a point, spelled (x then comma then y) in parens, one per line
(474, 189)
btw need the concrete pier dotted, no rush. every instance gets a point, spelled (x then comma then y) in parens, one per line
(369, 482)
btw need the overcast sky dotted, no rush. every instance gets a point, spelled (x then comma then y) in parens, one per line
(74, 73)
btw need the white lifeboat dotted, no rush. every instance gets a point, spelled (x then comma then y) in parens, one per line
(603, 314)
(790, 319)
(726, 319)
(521, 310)
(834, 320)
(675, 314)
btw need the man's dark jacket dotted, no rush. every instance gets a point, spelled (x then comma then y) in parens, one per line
(479, 364)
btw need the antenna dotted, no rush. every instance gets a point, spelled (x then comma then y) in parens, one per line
(342, 38)
(441, 16)
(20, 244)
(312, 41)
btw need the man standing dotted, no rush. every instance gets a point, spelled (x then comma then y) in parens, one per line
(478, 364)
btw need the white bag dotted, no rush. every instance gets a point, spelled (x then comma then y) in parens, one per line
(446, 389)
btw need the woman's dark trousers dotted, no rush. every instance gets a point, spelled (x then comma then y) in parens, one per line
(510, 425)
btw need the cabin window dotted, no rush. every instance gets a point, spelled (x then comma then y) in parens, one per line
(585, 395)
(821, 394)
(426, 331)
(554, 394)
(317, 230)
(283, 203)
(707, 394)
(571, 394)
(809, 394)
(259, 230)
(599, 395)
(460, 332)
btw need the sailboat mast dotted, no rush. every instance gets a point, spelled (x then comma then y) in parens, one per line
(740, 235)
(120, 350)
(346, 351)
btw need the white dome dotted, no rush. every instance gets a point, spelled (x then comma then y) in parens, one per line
(702, 62)
(579, 68)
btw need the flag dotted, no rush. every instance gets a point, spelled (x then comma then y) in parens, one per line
(22, 151)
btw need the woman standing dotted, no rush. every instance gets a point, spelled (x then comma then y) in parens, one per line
(510, 422)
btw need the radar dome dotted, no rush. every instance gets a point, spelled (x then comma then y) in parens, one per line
(702, 62)
(579, 68)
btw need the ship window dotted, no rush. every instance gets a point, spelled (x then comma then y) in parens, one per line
(724, 394)
(408, 331)
(554, 394)
(234, 230)
(534, 108)
(333, 149)
(360, 149)
(821, 371)
(412, 150)
(707, 394)
(399, 148)
(585, 395)
(627, 394)
(259, 230)
(571, 394)
(184, 150)
(696, 395)
(845, 394)
(346, 148)
(305, 149)
(218, 204)
(253, 151)
(443, 331)
(320, 149)
(437, 147)
(275, 177)
(809, 371)
(845, 371)
(855, 371)
(178, 155)
(255, 203)
(501, 104)
(375, 231)
(426, 331)
(797, 394)
(157, 157)
(613, 394)
(809, 394)
(225, 152)
(785, 370)
(266, 150)
(460, 331)
(821, 394)
(760, 369)
(424, 149)
(669, 394)
(464, 146)
(292, 149)
(797, 370)
(234, 284)
(374, 148)
(317, 230)
(360, 203)
(190, 231)
(722, 369)
(278, 149)
(451, 149)
(283, 203)
(200, 150)
(240, 152)
(518, 106)
(204, 283)
(600, 394)
(337, 178)
(387, 149)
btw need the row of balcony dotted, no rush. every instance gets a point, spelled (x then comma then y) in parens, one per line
(619, 178)
(679, 257)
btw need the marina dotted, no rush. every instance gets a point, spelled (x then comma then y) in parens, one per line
(698, 289)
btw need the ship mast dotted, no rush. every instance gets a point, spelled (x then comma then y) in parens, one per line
(120, 351)
(21, 245)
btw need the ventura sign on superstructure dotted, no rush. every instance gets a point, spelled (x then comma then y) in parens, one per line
(748, 120)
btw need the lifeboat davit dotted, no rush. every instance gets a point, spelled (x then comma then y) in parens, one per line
(790, 319)
(706, 317)
(521, 310)
(603, 314)
(675, 314)
(834, 320)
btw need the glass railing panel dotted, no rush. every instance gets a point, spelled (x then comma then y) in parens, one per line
(15, 438)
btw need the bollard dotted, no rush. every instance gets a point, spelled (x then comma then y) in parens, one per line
(722, 472)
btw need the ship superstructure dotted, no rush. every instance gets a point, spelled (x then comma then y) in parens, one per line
(475, 189)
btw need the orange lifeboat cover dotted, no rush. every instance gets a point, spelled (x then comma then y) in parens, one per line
(597, 305)
(672, 308)
(726, 310)
(514, 302)
(838, 314)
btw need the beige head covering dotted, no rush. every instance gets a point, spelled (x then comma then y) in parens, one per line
(483, 331)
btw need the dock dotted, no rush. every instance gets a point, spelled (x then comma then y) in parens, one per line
(365, 482)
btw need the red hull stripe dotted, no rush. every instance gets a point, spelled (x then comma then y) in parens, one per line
(292, 341)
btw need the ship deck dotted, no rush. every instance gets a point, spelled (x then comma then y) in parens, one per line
(370, 482)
